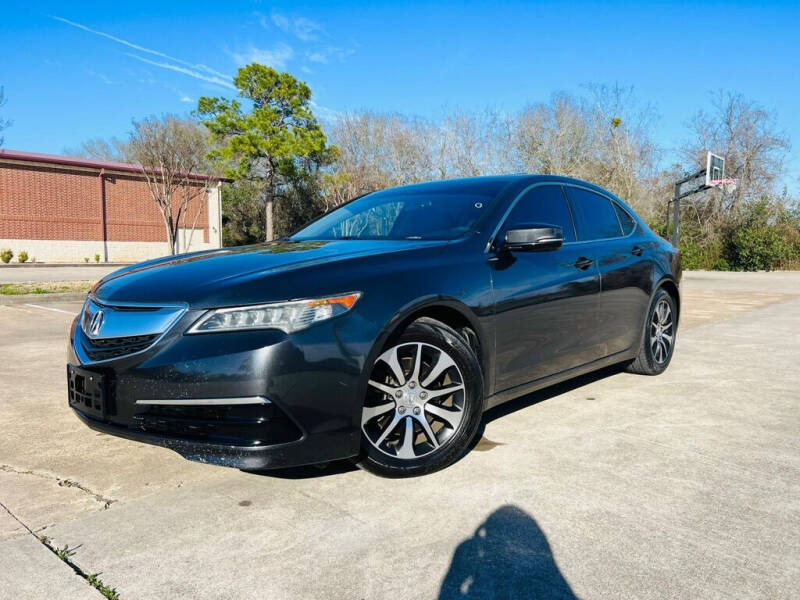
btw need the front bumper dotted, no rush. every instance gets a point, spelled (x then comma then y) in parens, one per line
(312, 380)
(304, 451)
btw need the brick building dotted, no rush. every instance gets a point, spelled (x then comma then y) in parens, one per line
(61, 209)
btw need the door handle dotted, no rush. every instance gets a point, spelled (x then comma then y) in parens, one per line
(637, 251)
(583, 263)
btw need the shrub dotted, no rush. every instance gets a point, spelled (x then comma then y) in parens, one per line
(6, 255)
(699, 252)
(86, 259)
(756, 248)
(97, 258)
(23, 256)
(760, 235)
(762, 238)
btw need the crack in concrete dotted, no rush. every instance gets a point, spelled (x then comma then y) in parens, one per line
(62, 482)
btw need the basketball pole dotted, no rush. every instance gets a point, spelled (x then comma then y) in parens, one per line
(676, 202)
(676, 215)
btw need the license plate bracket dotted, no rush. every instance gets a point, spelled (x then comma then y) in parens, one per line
(87, 391)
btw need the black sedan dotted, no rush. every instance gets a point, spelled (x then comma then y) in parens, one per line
(379, 332)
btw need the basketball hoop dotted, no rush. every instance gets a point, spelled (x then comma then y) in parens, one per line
(727, 185)
(712, 176)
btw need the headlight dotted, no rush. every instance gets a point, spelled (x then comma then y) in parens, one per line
(286, 316)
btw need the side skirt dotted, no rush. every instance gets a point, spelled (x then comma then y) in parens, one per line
(527, 388)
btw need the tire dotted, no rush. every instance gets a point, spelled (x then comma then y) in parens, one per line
(658, 340)
(426, 421)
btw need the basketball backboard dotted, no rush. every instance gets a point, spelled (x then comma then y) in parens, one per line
(715, 168)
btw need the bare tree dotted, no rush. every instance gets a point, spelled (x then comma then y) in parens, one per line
(605, 138)
(170, 150)
(377, 151)
(4, 123)
(113, 149)
(746, 134)
(474, 143)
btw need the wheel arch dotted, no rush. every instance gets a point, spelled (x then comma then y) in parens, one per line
(669, 285)
(452, 313)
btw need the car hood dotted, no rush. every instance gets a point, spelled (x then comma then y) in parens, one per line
(217, 277)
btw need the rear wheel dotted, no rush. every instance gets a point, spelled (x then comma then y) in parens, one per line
(423, 403)
(658, 341)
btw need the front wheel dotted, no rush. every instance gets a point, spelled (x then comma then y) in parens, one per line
(658, 341)
(423, 403)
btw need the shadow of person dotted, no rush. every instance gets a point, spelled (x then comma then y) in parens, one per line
(508, 557)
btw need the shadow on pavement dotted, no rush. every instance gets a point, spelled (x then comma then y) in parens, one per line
(508, 557)
(541, 395)
(308, 471)
(479, 443)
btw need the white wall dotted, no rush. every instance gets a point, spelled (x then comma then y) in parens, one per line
(74, 251)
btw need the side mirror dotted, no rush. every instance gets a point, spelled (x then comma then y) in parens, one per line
(535, 237)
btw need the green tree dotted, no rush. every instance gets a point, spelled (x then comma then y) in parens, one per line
(242, 217)
(267, 137)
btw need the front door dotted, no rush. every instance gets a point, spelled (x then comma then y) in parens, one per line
(545, 301)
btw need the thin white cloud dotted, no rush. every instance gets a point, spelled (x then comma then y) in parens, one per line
(262, 19)
(101, 76)
(324, 112)
(223, 81)
(325, 55)
(281, 21)
(306, 29)
(186, 99)
(194, 67)
(275, 57)
(317, 57)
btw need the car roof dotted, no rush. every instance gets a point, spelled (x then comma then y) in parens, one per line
(492, 184)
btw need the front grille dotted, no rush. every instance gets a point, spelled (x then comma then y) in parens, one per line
(105, 348)
(111, 331)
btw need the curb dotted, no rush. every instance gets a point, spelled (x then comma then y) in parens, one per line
(6, 300)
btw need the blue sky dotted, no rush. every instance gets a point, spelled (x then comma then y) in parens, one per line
(77, 70)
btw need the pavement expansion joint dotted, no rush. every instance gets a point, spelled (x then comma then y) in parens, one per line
(65, 555)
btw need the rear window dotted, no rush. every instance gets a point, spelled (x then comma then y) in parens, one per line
(597, 219)
(625, 220)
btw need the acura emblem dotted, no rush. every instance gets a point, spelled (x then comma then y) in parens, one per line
(96, 323)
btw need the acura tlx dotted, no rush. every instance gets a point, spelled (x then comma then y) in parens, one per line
(381, 331)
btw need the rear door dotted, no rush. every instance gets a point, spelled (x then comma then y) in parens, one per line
(613, 236)
(545, 301)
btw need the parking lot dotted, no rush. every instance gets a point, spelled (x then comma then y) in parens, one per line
(679, 486)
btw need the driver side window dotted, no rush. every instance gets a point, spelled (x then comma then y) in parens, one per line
(543, 205)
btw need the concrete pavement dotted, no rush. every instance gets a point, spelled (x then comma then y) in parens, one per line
(682, 485)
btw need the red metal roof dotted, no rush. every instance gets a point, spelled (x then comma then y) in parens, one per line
(86, 163)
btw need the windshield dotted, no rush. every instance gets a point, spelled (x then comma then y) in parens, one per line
(434, 212)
